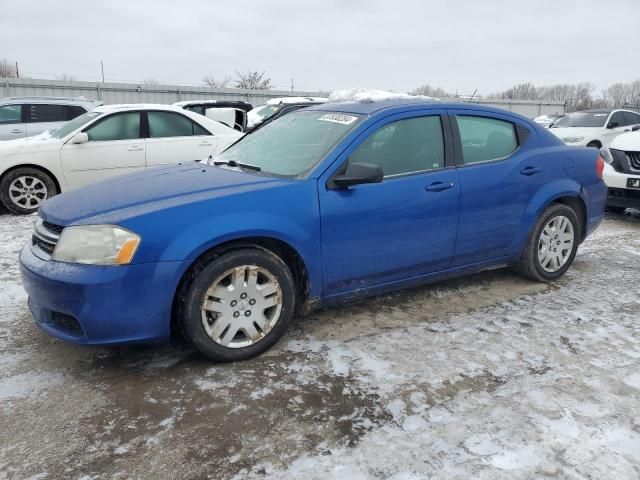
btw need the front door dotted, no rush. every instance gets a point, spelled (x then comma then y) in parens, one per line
(400, 228)
(114, 148)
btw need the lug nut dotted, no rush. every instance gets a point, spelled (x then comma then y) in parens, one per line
(252, 302)
(233, 303)
(243, 296)
(236, 314)
(247, 313)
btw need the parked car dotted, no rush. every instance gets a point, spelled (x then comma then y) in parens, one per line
(233, 113)
(278, 107)
(28, 116)
(327, 204)
(110, 140)
(594, 128)
(622, 172)
(547, 120)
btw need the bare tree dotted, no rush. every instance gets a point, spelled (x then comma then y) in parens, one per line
(150, 81)
(7, 69)
(253, 80)
(430, 91)
(523, 91)
(66, 77)
(216, 82)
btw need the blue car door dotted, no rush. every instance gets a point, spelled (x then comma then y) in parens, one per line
(498, 177)
(403, 227)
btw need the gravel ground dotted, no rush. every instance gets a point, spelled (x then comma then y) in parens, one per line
(486, 377)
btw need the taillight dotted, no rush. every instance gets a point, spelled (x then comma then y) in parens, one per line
(599, 166)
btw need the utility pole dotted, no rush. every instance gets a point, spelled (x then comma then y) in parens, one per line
(102, 68)
(17, 71)
(292, 84)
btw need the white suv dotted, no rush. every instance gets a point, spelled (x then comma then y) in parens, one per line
(622, 172)
(28, 116)
(594, 128)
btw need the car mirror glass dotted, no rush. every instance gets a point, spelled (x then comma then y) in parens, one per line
(79, 138)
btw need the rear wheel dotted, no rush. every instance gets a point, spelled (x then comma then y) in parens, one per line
(552, 244)
(24, 190)
(238, 304)
(594, 144)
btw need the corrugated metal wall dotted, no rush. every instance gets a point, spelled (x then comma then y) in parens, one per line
(131, 93)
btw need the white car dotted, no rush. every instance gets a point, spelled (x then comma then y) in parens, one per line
(547, 120)
(233, 113)
(594, 128)
(111, 140)
(622, 172)
(28, 116)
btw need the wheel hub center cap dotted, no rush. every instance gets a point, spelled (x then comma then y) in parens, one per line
(243, 305)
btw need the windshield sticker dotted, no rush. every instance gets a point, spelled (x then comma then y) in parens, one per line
(338, 118)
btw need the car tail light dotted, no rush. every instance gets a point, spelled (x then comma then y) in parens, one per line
(599, 166)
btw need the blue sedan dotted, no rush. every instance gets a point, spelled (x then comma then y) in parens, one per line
(325, 205)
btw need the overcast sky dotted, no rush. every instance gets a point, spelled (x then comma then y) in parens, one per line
(324, 45)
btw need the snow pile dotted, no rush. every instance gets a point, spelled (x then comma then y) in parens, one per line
(372, 95)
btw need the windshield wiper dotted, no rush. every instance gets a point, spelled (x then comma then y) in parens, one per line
(233, 163)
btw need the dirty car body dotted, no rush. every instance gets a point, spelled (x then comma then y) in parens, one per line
(470, 206)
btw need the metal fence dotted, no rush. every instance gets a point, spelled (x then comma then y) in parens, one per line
(141, 93)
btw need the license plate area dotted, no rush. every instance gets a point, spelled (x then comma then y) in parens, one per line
(633, 183)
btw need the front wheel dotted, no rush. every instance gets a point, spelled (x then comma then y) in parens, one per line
(238, 304)
(25, 189)
(552, 244)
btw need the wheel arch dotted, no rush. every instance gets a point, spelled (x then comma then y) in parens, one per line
(288, 254)
(35, 167)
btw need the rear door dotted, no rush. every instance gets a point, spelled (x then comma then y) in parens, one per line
(174, 138)
(403, 227)
(114, 148)
(498, 178)
(12, 122)
(41, 117)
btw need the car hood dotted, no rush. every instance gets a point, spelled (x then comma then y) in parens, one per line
(118, 199)
(572, 132)
(629, 142)
(39, 143)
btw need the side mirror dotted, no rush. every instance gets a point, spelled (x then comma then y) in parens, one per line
(635, 128)
(613, 125)
(356, 174)
(81, 137)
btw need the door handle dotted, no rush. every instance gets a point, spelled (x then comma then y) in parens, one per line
(16, 131)
(528, 171)
(135, 148)
(205, 144)
(438, 186)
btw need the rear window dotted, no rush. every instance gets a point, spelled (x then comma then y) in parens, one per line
(42, 113)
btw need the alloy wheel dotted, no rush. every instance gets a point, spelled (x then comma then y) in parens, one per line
(28, 192)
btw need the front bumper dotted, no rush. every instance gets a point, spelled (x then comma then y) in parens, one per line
(624, 198)
(100, 305)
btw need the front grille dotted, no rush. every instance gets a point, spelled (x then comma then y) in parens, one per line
(67, 323)
(45, 237)
(634, 160)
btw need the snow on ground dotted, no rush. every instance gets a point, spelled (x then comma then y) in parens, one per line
(487, 377)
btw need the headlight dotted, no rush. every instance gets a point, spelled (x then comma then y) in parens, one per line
(573, 139)
(96, 245)
(606, 155)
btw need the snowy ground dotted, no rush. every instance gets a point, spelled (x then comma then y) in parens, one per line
(487, 377)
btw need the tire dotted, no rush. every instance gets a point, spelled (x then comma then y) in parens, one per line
(219, 293)
(618, 210)
(531, 265)
(24, 190)
(594, 144)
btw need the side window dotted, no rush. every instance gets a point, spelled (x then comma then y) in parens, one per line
(120, 126)
(10, 114)
(74, 111)
(47, 113)
(198, 130)
(405, 146)
(631, 118)
(484, 139)
(617, 117)
(169, 124)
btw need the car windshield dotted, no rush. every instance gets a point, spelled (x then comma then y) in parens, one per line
(582, 119)
(260, 114)
(293, 144)
(68, 127)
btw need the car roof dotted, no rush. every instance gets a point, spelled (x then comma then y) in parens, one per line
(211, 102)
(372, 107)
(138, 106)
